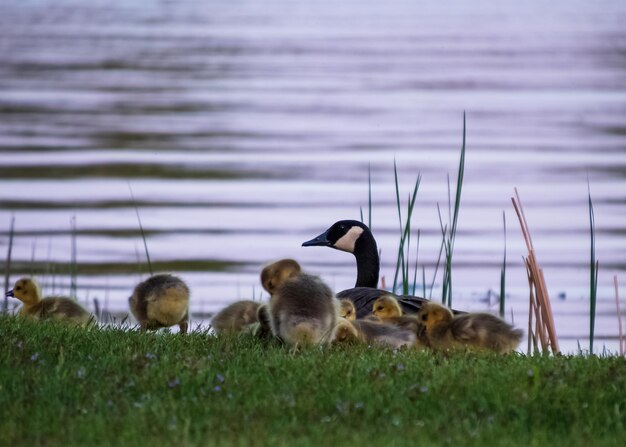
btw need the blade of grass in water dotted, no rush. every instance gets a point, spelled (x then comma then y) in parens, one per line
(593, 273)
(73, 282)
(404, 245)
(622, 342)
(503, 271)
(417, 251)
(369, 196)
(7, 269)
(447, 282)
(143, 235)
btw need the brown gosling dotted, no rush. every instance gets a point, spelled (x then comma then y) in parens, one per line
(51, 308)
(347, 309)
(303, 310)
(374, 333)
(264, 329)
(346, 332)
(273, 275)
(161, 301)
(236, 317)
(478, 331)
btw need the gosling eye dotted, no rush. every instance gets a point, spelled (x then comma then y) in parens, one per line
(379, 308)
(424, 317)
(18, 288)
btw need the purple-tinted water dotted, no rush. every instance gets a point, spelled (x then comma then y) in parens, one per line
(248, 127)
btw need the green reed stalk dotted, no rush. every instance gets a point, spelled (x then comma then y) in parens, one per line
(503, 270)
(369, 196)
(7, 267)
(417, 251)
(447, 282)
(73, 275)
(593, 272)
(405, 230)
(443, 241)
(143, 234)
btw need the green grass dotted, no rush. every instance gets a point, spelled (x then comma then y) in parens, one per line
(62, 386)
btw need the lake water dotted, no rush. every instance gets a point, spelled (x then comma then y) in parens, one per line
(248, 127)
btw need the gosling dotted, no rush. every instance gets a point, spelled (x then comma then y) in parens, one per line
(303, 310)
(275, 274)
(161, 301)
(387, 309)
(236, 317)
(52, 308)
(374, 333)
(478, 331)
(347, 309)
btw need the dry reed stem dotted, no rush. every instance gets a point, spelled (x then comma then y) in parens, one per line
(622, 341)
(545, 327)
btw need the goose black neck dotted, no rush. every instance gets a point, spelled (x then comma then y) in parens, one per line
(367, 261)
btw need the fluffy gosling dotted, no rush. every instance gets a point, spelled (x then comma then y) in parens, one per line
(480, 331)
(51, 308)
(235, 317)
(347, 309)
(161, 301)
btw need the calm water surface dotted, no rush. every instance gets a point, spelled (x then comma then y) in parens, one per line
(248, 127)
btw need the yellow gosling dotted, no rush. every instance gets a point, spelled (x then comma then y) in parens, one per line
(347, 309)
(387, 306)
(51, 308)
(234, 318)
(477, 331)
(161, 301)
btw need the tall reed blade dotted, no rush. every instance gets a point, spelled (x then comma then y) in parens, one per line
(503, 271)
(540, 306)
(7, 267)
(143, 235)
(369, 197)
(73, 273)
(622, 341)
(447, 285)
(593, 273)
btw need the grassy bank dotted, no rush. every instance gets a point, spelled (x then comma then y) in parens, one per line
(66, 386)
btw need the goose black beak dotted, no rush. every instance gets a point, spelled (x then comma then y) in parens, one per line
(9, 293)
(319, 241)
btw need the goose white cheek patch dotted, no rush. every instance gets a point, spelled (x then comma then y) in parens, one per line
(347, 241)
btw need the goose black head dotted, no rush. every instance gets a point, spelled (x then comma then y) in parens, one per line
(342, 235)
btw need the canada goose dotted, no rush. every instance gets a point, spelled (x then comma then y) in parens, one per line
(161, 301)
(235, 317)
(302, 309)
(355, 237)
(51, 308)
(347, 310)
(445, 331)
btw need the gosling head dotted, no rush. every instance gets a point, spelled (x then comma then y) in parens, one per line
(342, 235)
(25, 290)
(275, 274)
(432, 315)
(387, 307)
(347, 310)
